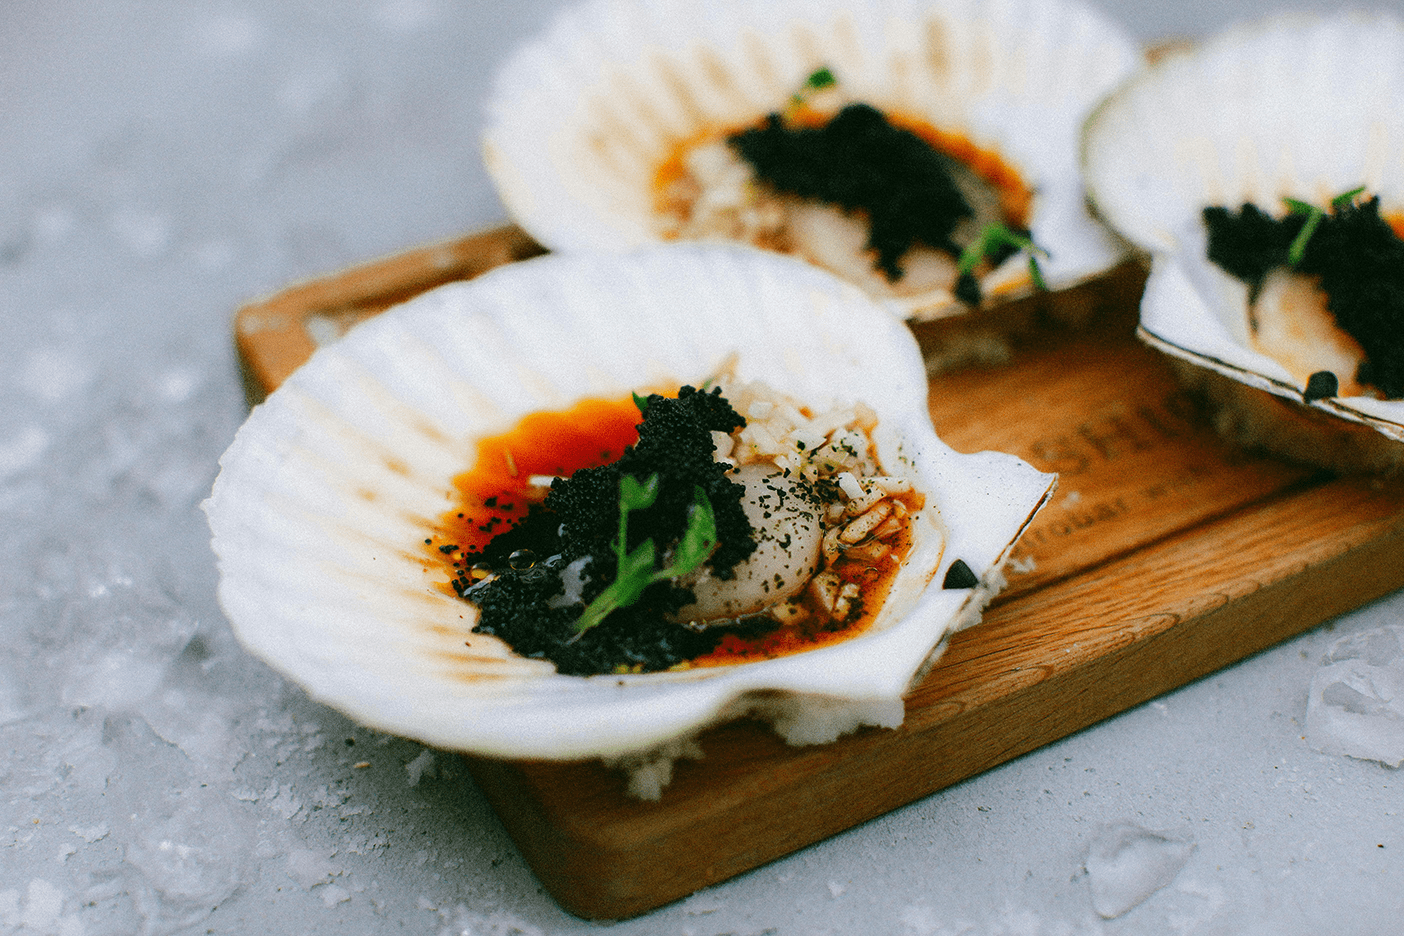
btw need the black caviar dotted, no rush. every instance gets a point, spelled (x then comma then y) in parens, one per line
(859, 161)
(1358, 258)
(570, 536)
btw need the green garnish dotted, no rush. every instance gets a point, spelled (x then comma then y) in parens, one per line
(642, 403)
(1345, 199)
(636, 567)
(995, 237)
(817, 81)
(1314, 216)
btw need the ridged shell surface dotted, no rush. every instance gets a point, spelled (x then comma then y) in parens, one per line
(1300, 107)
(329, 490)
(582, 117)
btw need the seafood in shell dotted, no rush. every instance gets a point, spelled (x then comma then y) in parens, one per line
(1296, 107)
(582, 119)
(334, 482)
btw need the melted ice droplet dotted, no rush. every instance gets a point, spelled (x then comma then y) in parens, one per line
(228, 35)
(1355, 705)
(42, 908)
(22, 451)
(1126, 864)
(310, 868)
(421, 765)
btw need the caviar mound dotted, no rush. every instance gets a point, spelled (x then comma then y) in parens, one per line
(860, 162)
(1353, 252)
(578, 523)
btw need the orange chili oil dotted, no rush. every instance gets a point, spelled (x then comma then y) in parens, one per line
(1015, 197)
(498, 491)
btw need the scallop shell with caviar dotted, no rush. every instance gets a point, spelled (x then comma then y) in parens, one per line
(331, 487)
(584, 120)
(1295, 107)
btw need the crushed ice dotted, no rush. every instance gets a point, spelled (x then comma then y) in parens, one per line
(1355, 705)
(421, 766)
(1127, 863)
(311, 868)
(167, 772)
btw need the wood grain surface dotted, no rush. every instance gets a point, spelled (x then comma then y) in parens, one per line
(1166, 555)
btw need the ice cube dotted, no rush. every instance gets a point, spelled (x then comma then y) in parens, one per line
(42, 907)
(1127, 863)
(201, 725)
(421, 765)
(311, 868)
(191, 860)
(1355, 705)
(120, 631)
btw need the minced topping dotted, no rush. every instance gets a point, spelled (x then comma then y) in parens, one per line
(804, 532)
(1351, 253)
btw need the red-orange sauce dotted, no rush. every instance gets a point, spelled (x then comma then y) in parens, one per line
(496, 492)
(1015, 197)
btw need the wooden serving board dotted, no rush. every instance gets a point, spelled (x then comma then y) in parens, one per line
(1164, 556)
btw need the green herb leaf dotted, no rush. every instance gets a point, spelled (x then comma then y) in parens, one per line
(637, 567)
(817, 81)
(642, 403)
(634, 496)
(1345, 199)
(1036, 273)
(635, 574)
(700, 539)
(1299, 243)
(995, 236)
(971, 256)
(1314, 215)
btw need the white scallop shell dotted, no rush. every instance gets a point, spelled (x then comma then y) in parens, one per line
(1298, 106)
(333, 483)
(582, 117)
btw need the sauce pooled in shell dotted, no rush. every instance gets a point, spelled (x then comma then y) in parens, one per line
(804, 555)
